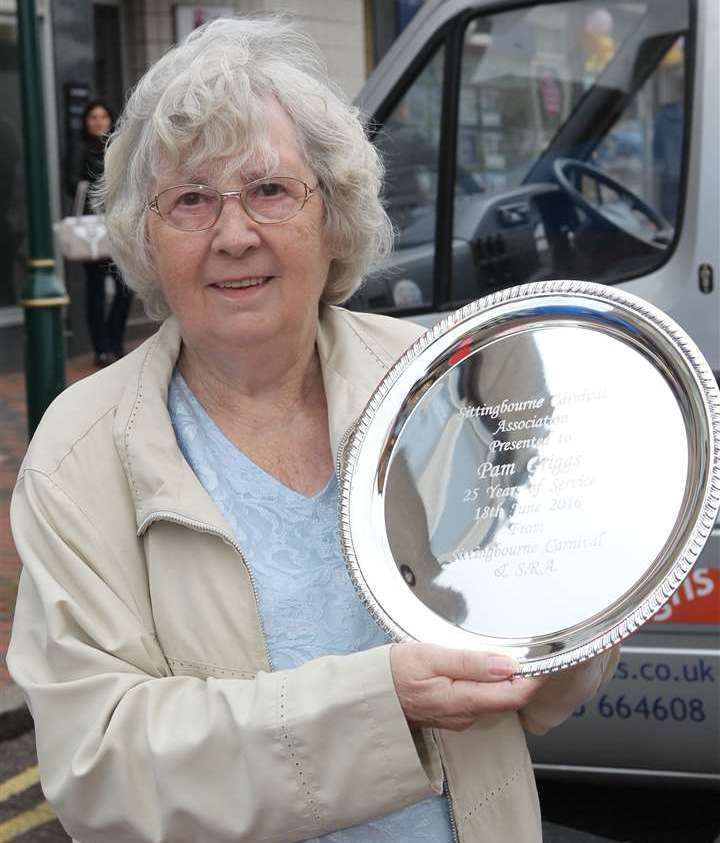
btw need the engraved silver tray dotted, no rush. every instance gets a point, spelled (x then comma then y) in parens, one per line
(535, 476)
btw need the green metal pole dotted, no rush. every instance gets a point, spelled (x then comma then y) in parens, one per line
(43, 295)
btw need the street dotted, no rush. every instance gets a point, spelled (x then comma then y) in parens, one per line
(573, 813)
(24, 814)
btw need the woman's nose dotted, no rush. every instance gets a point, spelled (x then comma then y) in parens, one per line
(235, 231)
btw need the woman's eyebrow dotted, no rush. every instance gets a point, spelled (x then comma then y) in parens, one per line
(252, 173)
(195, 178)
(236, 178)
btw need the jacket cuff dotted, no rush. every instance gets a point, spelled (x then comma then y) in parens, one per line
(408, 746)
(359, 751)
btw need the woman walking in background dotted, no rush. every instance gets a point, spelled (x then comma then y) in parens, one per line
(106, 331)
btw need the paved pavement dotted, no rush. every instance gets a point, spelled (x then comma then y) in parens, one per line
(13, 442)
(13, 438)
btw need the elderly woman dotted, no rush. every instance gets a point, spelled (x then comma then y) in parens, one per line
(192, 650)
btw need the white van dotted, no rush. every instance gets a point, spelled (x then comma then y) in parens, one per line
(577, 139)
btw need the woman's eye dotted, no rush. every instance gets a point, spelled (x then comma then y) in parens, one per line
(269, 190)
(188, 200)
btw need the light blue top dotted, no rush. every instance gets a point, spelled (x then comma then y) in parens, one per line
(307, 602)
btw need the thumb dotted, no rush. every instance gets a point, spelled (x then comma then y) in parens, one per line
(471, 665)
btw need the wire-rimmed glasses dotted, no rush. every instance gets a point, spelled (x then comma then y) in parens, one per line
(197, 207)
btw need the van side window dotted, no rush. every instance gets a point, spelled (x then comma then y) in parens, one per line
(570, 143)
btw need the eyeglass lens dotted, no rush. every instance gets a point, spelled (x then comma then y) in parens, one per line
(191, 207)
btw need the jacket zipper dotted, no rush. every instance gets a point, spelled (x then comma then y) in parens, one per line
(451, 808)
(201, 527)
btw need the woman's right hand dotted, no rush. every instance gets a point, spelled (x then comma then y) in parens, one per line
(449, 689)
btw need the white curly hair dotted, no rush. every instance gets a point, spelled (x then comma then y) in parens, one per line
(204, 102)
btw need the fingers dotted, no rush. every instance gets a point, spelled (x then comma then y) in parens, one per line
(475, 698)
(465, 664)
(450, 689)
(468, 701)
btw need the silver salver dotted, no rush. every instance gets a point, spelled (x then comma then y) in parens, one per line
(535, 476)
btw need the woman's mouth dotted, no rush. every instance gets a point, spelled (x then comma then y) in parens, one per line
(243, 283)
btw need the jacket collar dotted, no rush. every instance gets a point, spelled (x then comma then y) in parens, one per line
(162, 483)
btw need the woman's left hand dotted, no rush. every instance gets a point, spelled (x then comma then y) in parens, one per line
(450, 689)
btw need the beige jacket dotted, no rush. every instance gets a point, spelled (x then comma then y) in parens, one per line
(138, 644)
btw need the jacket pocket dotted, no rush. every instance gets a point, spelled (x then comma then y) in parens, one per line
(203, 603)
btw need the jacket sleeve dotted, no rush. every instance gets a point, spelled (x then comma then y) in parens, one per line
(566, 690)
(129, 753)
